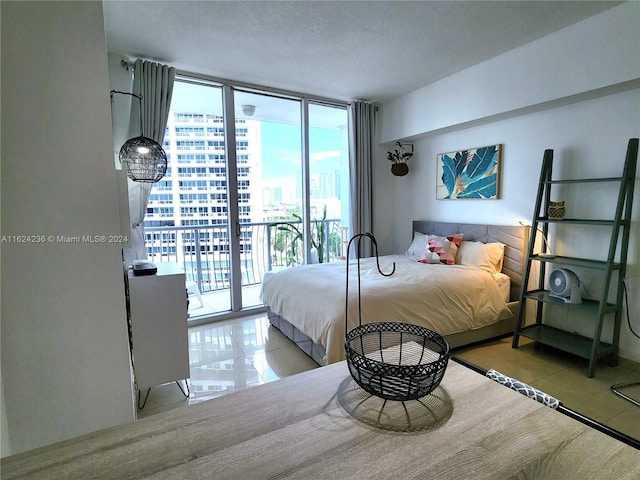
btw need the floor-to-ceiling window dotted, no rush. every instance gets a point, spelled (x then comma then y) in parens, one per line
(328, 179)
(238, 202)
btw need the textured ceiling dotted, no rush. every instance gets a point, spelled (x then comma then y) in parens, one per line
(345, 50)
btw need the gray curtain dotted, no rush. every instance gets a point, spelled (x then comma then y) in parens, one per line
(155, 83)
(361, 135)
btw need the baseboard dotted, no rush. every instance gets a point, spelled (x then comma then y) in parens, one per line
(630, 364)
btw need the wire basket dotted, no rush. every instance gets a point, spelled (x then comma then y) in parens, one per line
(396, 361)
(392, 360)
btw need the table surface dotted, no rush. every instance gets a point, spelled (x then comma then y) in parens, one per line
(319, 424)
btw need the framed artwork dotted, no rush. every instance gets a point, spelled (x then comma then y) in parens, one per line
(472, 173)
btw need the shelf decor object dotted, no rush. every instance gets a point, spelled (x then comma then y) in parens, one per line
(472, 173)
(590, 313)
(392, 360)
(556, 210)
(142, 158)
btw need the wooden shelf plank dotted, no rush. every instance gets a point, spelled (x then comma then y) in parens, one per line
(588, 306)
(583, 180)
(566, 341)
(579, 221)
(577, 262)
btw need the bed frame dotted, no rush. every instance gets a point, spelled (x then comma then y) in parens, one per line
(515, 239)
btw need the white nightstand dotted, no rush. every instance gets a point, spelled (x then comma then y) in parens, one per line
(159, 336)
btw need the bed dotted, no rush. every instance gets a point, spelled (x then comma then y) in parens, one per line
(307, 303)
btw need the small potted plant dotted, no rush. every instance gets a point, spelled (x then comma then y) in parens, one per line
(398, 159)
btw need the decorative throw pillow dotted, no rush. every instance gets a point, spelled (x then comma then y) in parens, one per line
(487, 256)
(442, 249)
(418, 245)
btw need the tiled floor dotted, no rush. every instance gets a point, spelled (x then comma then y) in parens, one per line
(241, 353)
(231, 355)
(564, 377)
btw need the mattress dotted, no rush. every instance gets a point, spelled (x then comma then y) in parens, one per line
(448, 299)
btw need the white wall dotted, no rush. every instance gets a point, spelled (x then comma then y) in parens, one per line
(65, 362)
(120, 80)
(587, 122)
(598, 53)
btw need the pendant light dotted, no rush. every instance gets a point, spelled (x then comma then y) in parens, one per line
(142, 158)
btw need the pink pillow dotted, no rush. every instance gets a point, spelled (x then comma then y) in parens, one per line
(442, 249)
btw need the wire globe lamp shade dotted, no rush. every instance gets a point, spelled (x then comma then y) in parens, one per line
(143, 159)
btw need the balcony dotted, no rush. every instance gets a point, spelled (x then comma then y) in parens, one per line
(203, 252)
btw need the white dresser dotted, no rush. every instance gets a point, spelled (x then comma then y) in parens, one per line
(158, 322)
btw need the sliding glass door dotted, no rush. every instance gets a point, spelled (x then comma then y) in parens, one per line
(187, 219)
(269, 181)
(256, 182)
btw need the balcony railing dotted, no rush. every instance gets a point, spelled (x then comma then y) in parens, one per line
(203, 251)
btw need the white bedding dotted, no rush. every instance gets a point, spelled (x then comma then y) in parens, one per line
(445, 298)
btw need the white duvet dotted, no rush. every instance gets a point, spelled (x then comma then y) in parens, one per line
(445, 298)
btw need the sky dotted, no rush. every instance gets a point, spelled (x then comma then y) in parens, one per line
(281, 149)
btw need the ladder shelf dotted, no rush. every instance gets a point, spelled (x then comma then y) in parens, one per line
(612, 270)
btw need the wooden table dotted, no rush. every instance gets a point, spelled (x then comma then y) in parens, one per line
(299, 427)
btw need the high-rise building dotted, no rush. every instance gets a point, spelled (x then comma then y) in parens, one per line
(194, 191)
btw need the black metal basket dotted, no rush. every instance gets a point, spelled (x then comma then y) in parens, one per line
(393, 360)
(396, 361)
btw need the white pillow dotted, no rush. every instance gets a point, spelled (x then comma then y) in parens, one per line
(487, 256)
(418, 245)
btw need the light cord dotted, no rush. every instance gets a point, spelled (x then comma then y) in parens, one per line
(626, 301)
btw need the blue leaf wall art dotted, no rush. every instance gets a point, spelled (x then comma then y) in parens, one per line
(469, 174)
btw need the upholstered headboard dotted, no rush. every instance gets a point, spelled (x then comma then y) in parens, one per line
(515, 239)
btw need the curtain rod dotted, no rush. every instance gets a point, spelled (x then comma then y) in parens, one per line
(127, 65)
